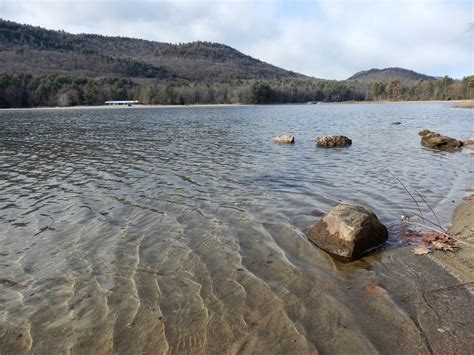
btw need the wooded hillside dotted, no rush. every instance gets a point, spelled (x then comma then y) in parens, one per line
(41, 67)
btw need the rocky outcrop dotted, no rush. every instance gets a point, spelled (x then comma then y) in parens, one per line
(284, 139)
(436, 141)
(333, 141)
(348, 231)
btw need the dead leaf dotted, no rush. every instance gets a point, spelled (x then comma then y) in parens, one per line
(429, 238)
(469, 198)
(442, 246)
(421, 251)
(373, 288)
(426, 241)
(468, 190)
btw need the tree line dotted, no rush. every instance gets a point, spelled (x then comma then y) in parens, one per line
(24, 90)
(442, 89)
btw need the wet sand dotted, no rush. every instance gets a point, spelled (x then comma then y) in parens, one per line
(461, 264)
(210, 295)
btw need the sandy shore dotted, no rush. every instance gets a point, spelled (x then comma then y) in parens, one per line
(461, 264)
(462, 104)
(122, 107)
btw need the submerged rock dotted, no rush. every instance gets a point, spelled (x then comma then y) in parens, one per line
(284, 139)
(434, 140)
(333, 141)
(469, 143)
(396, 123)
(348, 231)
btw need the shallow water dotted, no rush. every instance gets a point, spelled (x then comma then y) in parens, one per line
(181, 230)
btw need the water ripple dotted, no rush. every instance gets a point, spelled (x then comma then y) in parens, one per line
(181, 230)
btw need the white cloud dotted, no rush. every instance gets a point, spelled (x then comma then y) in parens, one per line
(328, 39)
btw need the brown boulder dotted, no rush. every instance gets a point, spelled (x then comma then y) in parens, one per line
(333, 141)
(436, 141)
(348, 231)
(284, 139)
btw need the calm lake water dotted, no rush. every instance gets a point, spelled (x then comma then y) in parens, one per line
(181, 230)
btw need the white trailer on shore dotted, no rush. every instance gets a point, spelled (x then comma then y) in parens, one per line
(129, 103)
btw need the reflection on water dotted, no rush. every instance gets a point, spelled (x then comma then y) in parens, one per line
(182, 230)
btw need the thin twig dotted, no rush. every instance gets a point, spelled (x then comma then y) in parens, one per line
(408, 192)
(430, 222)
(452, 286)
(433, 212)
(430, 228)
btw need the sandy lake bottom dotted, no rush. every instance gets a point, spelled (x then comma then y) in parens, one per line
(183, 231)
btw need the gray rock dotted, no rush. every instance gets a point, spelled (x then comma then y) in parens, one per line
(333, 141)
(348, 231)
(284, 139)
(436, 141)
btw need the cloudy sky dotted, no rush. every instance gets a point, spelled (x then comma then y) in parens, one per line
(323, 38)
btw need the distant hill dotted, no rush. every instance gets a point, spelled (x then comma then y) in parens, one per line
(37, 51)
(388, 74)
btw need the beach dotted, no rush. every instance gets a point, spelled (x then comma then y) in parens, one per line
(461, 263)
(454, 104)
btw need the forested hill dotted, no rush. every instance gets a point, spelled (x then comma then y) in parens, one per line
(37, 51)
(41, 67)
(388, 74)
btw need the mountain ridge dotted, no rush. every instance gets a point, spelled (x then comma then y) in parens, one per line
(391, 73)
(96, 55)
(189, 61)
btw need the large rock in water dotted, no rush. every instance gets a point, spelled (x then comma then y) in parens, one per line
(333, 141)
(348, 231)
(284, 139)
(434, 140)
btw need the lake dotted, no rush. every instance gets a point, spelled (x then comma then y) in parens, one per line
(182, 230)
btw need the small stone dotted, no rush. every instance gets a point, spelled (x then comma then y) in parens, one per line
(348, 231)
(333, 141)
(284, 139)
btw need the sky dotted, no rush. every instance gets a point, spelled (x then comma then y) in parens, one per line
(321, 38)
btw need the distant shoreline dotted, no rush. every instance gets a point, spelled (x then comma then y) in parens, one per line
(455, 103)
(464, 104)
